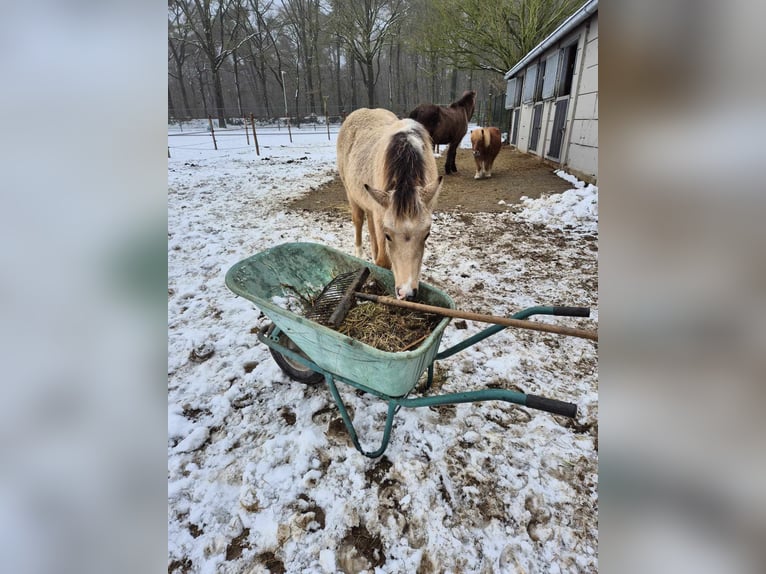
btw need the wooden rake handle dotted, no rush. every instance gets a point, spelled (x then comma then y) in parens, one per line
(520, 323)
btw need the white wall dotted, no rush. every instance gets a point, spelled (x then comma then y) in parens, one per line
(581, 152)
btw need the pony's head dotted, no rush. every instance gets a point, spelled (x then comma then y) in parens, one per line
(407, 200)
(479, 137)
(468, 102)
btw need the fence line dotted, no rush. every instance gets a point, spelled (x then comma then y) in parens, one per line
(489, 109)
(216, 134)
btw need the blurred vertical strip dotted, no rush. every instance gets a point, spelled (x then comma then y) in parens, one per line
(82, 223)
(682, 277)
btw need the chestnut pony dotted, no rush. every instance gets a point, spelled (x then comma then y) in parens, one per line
(447, 124)
(390, 176)
(486, 144)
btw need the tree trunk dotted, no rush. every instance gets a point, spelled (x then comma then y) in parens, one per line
(236, 85)
(219, 98)
(391, 77)
(202, 92)
(171, 107)
(415, 81)
(401, 97)
(370, 83)
(354, 96)
(184, 96)
(337, 76)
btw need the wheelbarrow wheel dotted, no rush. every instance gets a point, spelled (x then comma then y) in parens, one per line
(293, 369)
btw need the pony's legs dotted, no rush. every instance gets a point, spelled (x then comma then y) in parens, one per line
(378, 240)
(449, 166)
(373, 236)
(357, 216)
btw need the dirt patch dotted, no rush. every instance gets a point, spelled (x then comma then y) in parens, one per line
(271, 562)
(514, 175)
(234, 550)
(359, 550)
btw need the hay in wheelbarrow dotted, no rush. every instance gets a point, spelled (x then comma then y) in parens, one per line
(384, 327)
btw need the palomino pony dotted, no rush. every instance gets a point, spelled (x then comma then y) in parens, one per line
(447, 125)
(390, 176)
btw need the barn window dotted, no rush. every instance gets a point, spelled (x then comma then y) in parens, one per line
(513, 93)
(539, 82)
(566, 70)
(509, 90)
(549, 77)
(529, 83)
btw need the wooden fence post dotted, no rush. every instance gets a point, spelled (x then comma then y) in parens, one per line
(247, 134)
(255, 136)
(212, 132)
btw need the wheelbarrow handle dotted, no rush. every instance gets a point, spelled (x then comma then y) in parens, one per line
(551, 406)
(571, 311)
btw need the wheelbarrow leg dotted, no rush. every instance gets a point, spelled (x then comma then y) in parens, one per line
(350, 426)
(430, 379)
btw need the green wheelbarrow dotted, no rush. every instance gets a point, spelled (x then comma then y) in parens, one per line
(277, 279)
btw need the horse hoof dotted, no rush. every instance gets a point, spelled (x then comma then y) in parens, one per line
(477, 176)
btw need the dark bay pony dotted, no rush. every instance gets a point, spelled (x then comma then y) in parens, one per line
(389, 172)
(447, 125)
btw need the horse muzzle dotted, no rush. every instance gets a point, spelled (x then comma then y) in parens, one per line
(407, 295)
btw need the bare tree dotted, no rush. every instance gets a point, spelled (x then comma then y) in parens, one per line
(362, 52)
(365, 27)
(177, 42)
(303, 16)
(204, 18)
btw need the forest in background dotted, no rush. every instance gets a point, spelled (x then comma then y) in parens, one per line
(301, 59)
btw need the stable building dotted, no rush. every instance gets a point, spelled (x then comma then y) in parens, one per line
(553, 96)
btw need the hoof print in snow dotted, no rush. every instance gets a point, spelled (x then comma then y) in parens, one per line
(378, 471)
(310, 516)
(337, 430)
(249, 366)
(359, 550)
(541, 516)
(287, 415)
(237, 545)
(271, 562)
(201, 353)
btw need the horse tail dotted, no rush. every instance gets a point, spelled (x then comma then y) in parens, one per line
(485, 136)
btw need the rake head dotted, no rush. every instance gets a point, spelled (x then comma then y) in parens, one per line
(337, 298)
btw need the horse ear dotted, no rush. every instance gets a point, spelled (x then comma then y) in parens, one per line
(431, 193)
(382, 197)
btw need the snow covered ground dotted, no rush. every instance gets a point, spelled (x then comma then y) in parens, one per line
(261, 475)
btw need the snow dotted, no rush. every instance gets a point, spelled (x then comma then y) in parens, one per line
(259, 469)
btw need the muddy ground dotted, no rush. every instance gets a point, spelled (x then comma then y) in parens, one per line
(514, 175)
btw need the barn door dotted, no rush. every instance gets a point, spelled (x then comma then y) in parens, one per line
(537, 120)
(559, 127)
(515, 130)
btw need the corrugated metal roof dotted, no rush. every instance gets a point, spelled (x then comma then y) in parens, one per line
(582, 14)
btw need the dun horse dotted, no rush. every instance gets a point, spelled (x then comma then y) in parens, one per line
(390, 176)
(447, 125)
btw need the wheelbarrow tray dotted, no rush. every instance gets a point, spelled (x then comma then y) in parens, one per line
(272, 277)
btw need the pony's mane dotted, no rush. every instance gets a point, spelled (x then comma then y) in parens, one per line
(404, 170)
(465, 101)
